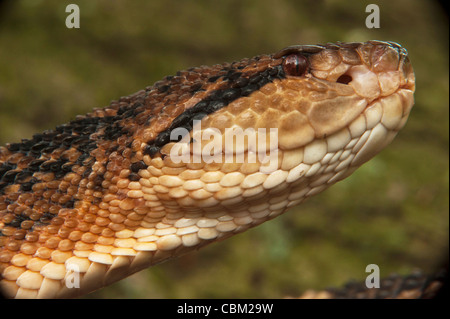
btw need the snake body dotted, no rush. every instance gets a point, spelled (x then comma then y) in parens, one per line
(106, 195)
(413, 286)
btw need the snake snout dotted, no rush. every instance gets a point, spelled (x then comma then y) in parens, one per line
(409, 81)
(385, 69)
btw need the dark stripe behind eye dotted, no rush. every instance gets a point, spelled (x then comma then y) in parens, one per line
(236, 86)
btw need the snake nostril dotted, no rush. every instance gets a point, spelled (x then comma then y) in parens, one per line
(344, 79)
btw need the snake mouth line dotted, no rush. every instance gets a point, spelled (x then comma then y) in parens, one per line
(402, 90)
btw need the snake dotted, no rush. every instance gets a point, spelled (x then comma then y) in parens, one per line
(195, 158)
(415, 285)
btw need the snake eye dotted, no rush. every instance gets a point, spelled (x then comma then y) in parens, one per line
(295, 64)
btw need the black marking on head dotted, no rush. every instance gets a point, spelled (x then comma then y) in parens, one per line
(300, 49)
(69, 204)
(135, 167)
(27, 186)
(17, 221)
(237, 86)
(196, 88)
(134, 177)
(9, 176)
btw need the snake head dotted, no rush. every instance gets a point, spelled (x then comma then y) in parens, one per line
(344, 80)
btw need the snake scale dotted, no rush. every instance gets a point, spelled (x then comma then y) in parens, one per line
(116, 191)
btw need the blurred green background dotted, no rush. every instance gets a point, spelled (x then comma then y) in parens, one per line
(392, 212)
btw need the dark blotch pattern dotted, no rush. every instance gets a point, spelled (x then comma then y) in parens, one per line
(416, 286)
(73, 165)
(236, 86)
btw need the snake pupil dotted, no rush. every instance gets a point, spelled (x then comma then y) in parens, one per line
(295, 64)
